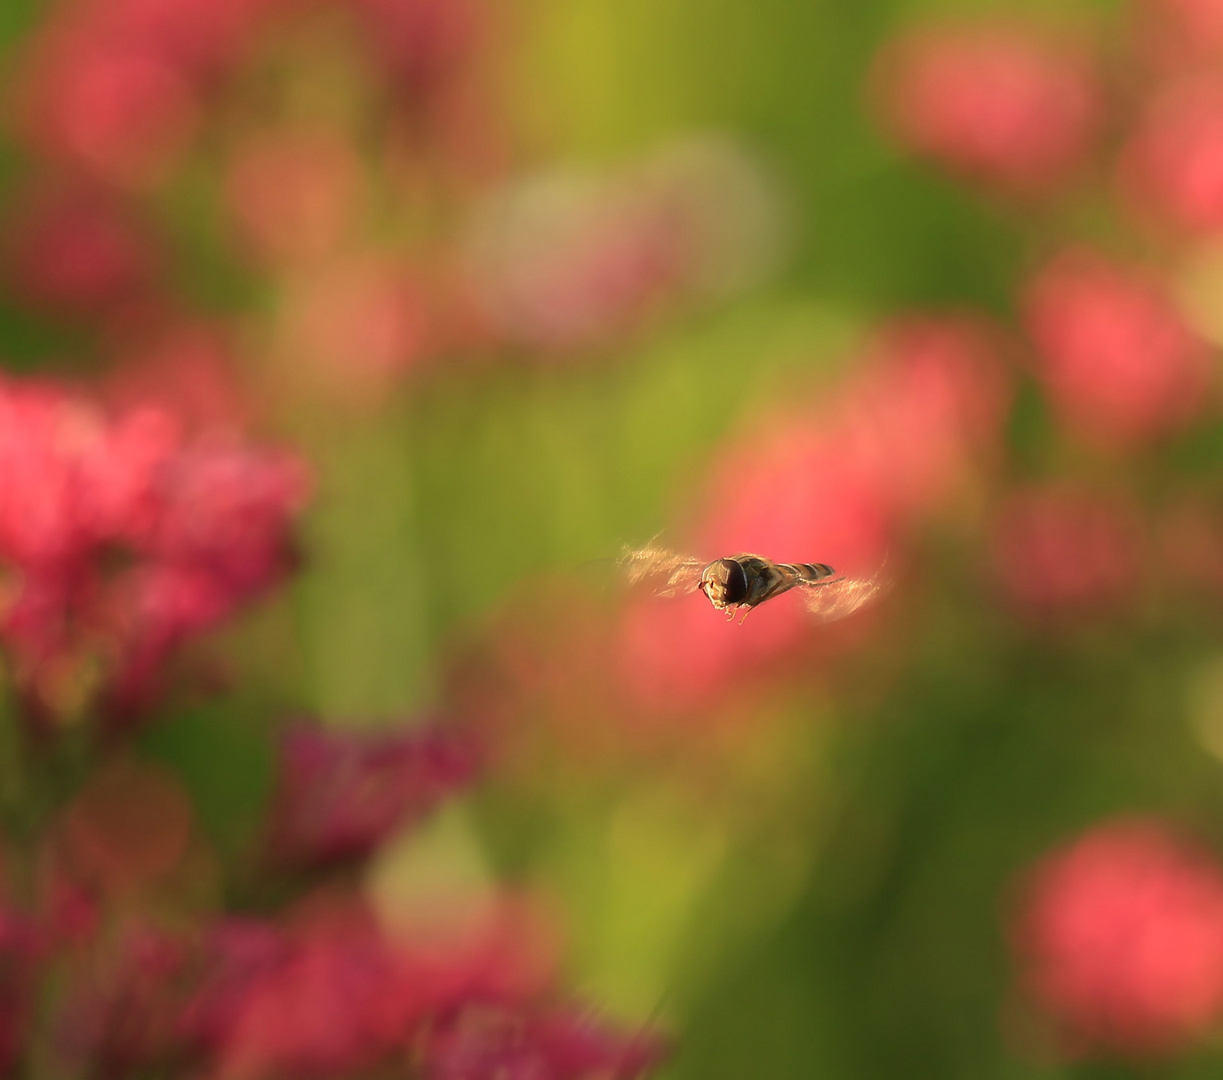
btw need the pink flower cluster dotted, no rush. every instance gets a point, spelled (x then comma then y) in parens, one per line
(1016, 110)
(118, 90)
(79, 252)
(1120, 939)
(123, 537)
(339, 796)
(127, 977)
(117, 103)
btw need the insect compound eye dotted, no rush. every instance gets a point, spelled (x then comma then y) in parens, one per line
(733, 580)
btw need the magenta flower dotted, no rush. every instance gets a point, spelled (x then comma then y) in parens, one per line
(1061, 551)
(421, 44)
(115, 1013)
(20, 949)
(329, 1002)
(1119, 938)
(115, 89)
(338, 994)
(340, 794)
(120, 539)
(121, 114)
(1119, 362)
(77, 253)
(556, 1046)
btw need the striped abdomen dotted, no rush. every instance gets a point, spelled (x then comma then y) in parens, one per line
(808, 571)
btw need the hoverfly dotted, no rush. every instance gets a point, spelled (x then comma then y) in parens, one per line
(742, 582)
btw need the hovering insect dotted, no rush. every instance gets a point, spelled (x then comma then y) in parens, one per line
(742, 582)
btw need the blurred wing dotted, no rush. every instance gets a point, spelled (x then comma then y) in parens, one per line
(835, 598)
(667, 571)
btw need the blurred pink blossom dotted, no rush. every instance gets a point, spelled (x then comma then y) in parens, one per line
(341, 794)
(421, 43)
(333, 1002)
(186, 368)
(566, 260)
(77, 252)
(925, 409)
(115, 88)
(1120, 938)
(200, 40)
(1002, 103)
(20, 949)
(358, 323)
(562, 1045)
(115, 1012)
(340, 994)
(1060, 550)
(324, 988)
(121, 114)
(1119, 361)
(1172, 34)
(120, 538)
(1171, 168)
(294, 196)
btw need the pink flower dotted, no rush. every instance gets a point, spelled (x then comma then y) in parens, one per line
(117, 1009)
(122, 114)
(187, 370)
(20, 948)
(340, 794)
(1120, 364)
(1001, 103)
(359, 323)
(294, 195)
(924, 410)
(342, 994)
(202, 41)
(333, 1002)
(421, 43)
(115, 88)
(558, 1046)
(1171, 169)
(1120, 938)
(1064, 551)
(1174, 33)
(77, 253)
(235, 953)
(119, 539)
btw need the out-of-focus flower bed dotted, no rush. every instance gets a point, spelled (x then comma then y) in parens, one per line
(343, 346)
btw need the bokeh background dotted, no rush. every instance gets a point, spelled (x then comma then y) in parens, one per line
(384, 326)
